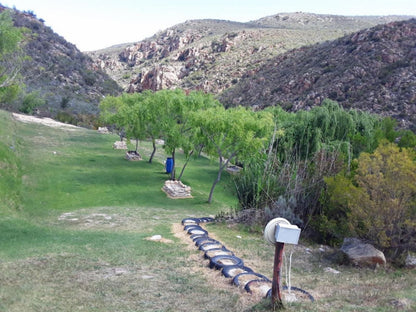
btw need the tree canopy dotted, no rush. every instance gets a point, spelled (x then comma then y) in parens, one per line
(232, 133)
(11, 56)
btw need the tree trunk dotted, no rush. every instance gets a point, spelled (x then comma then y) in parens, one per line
(222, 166)
(137, 144)
(184, 166)
(172, 174)
(154, 150)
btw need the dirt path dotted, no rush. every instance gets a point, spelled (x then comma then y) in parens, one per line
(44, 121)
(213, 277)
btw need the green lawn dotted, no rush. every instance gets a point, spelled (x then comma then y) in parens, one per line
(49, 263)
(75, 218)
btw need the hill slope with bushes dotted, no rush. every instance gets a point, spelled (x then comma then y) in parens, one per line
(372, 70)
(65, 78)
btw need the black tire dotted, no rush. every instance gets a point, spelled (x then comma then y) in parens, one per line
(218, 262)
(203, 240)
(311, 298)
(249, 285)
(197, 231)
(206, 219)
(256, 276)
(190, 226)
(209, 254)
(194, 237)
(227, 270)
(193, 220)
(210, 245)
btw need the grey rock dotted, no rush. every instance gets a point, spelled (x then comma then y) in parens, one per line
(362, 254)
(410, 261)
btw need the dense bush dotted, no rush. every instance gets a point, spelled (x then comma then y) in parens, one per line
(31, 101)
(306, 147)
(290, 189)
(376, 202)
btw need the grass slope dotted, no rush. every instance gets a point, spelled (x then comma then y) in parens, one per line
(74, 218)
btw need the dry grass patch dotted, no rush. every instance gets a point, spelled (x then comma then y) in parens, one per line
(353, 289)
(69, 282)
(200, 265)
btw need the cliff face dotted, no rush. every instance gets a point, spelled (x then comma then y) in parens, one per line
(372, 70)
(66, 78)
(213, 55)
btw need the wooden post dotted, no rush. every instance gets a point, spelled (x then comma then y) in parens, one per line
(278, 259)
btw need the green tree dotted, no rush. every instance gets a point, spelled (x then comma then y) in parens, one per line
(153, 114)
(177, 130)
(127, 113)
(132, 116)
(11, 56)
(109, 112)
(230, 134)
(407, 138)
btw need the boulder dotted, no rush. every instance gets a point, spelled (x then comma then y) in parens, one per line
(120, 145)
(410, 261)
(176, 189)
(103, 130)
(362, 254)
(133, 156)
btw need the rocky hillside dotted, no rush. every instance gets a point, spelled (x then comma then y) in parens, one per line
(213, 55)
(373, 70)
(66, 78)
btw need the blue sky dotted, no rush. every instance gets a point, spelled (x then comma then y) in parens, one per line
(95, 24)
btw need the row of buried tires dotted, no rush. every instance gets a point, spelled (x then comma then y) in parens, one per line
(231, 267)
(221, 258)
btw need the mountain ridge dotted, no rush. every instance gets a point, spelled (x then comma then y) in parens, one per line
(212, 55)
(216, 56)
(372, 69)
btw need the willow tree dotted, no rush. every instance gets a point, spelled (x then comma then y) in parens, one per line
(231, 133)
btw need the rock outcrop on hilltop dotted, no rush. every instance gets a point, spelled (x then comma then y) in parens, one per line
(213, 55)
(372, 70)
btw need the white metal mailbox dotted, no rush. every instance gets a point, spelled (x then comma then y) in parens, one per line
(287, 233)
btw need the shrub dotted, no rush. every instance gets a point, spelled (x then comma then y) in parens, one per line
(30, 102)
(66, 117)
(378, 202)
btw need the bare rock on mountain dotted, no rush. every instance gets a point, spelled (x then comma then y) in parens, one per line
(157, 78)
(213, 55)
(372, 70)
